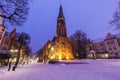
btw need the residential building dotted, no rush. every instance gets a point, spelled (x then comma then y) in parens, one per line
(112, 44)
(108, 47)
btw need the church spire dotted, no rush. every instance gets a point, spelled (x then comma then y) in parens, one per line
(61, 15)
(61, 26)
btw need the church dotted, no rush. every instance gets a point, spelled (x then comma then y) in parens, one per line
(59, 48)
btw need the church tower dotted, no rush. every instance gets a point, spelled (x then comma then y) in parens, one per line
(61, 25)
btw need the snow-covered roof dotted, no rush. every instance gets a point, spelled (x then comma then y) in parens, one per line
(99, 40)
(102, 39)
(117, 35)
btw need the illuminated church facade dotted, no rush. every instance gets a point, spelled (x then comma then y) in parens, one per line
(60, 47)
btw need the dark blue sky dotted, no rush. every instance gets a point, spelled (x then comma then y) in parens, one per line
(90, 16)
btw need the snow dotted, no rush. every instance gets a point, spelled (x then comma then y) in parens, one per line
(102, 39)
(117, 35)
(85, 69)
(98, 40)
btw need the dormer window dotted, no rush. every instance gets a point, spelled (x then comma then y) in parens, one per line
(110, 36)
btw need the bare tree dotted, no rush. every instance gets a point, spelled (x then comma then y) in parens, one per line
(14, 12)
(28, 50)
(116, 18)
(79, 41)
(23, 39)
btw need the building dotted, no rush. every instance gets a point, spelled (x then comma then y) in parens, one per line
(108, 47)
(59, 48)
(2, 33)
(8, 43)
(112, 43)
(5, 42)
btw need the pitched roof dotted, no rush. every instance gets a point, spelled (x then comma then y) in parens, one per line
(117, 35)
(102, 39)
(99, 40)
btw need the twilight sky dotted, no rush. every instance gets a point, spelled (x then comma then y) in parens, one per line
(90, 16)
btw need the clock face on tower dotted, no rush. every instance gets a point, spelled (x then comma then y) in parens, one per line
(59, 24)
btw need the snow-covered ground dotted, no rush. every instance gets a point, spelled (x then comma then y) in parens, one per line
(78, 70)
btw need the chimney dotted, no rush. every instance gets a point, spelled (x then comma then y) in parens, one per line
(0, 18)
